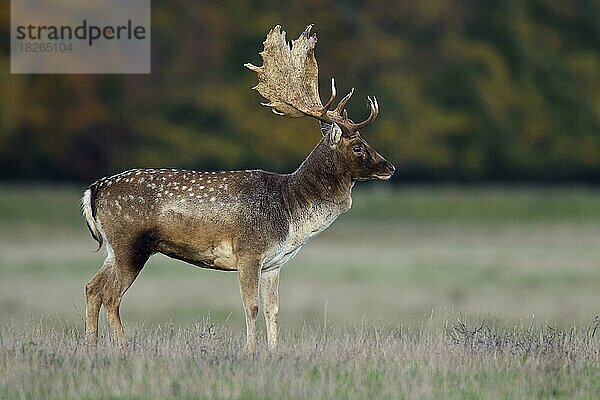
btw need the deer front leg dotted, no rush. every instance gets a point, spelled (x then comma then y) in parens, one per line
(269, 287)
(249, 273)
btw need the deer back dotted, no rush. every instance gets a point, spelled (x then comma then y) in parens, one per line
(200, 210)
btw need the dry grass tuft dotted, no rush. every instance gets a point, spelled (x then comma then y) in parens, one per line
(483, 340)
(459, 360)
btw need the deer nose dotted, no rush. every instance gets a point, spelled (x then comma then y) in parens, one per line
(391, 169)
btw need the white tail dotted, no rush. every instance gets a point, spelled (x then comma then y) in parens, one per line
(86, 209)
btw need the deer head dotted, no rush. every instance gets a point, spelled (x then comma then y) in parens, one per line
(289, 80)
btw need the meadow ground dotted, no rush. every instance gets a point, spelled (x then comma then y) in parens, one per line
(415, 293)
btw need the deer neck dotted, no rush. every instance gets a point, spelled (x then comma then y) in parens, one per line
(321, 181)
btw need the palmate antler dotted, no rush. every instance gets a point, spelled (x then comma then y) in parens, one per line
(289, 79)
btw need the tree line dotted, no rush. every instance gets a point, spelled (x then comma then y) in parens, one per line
(469, 91)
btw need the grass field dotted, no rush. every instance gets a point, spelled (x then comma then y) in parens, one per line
(418, 292)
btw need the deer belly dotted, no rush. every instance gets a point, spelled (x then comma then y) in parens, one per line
(217, 255)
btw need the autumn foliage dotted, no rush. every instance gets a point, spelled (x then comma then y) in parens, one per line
(469, 91)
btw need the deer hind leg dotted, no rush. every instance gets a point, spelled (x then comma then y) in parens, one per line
(249, 273)
(120, 279)
(269, 288)
(129, 261)
(93, 294)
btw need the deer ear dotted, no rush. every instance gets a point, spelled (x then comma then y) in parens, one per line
(324, 127)
(332, 132)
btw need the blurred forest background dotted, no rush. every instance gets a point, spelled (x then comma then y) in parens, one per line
(470, 91)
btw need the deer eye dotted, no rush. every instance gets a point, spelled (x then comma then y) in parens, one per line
(357, 149)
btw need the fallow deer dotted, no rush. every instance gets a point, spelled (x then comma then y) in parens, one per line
(251, 222)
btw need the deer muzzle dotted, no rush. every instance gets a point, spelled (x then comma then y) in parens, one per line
(386, 170)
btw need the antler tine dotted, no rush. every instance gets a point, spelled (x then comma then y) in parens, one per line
(331, 98)
(374, 111)
(340, 107)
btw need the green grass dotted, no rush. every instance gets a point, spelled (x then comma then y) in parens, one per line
(40, 205)
(202, 360)
(477, 204)
(368, 309)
